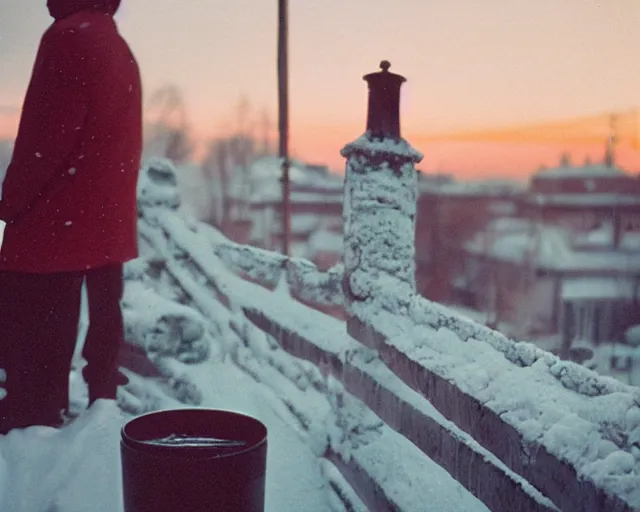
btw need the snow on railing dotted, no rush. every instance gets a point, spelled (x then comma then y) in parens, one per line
(516, 426)
(158, 189)
(309, 335)
(303, 278)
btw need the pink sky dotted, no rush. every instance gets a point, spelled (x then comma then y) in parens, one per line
(469, 64)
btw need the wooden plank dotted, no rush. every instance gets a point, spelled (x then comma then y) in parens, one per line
(555, 478)
(467, 462)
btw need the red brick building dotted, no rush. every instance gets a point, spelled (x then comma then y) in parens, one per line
(448, 215)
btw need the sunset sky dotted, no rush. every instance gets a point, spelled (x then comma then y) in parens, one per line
(470, 65)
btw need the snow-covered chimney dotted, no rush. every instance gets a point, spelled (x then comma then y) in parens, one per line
(380, 200)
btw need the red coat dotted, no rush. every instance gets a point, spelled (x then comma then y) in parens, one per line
(69, 196)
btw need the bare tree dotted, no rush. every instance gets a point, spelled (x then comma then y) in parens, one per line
(227, 164)
(167, 127)
(179, 146)
(215, 168)
(265, 127)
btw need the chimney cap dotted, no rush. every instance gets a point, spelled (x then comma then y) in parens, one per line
(385, 76)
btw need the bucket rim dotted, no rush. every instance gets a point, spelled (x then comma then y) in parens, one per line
(143, 446)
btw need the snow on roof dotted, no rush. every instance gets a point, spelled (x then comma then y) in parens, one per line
(585, 199)
(510, 224)
(329, 335)
(304, 222)
(266, 186)
(633, 336)
(549, 247)
(298, 197)
(261, 181)
(630, 241)
(585, 288)
(507, 238)
(602, 238)
(499, 188)
(325, 241)
(588, 171)
(301, 224)
(269, 168)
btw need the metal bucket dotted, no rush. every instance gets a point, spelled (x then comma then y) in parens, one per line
(194, 460)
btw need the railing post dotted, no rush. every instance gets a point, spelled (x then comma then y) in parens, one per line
(379, 200)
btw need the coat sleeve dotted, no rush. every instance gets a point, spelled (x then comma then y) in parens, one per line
(54, 113)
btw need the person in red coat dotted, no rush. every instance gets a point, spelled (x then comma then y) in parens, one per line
(69, 203)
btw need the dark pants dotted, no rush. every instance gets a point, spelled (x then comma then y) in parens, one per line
(39, 316)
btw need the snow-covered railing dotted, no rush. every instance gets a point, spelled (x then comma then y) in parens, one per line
(158, 189)
(569, 432)
(516, 426)
(304, 279)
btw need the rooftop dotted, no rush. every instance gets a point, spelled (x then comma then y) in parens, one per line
(550, 248)
(587, 171)
(491, 188)
(585, 199)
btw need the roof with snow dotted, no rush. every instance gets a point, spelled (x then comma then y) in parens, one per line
(491, 188)
(603, 237)
(325, 241)
(547, 247)
(589, 288)
(585, 199)
(265, 174)
(301, 224)
(587, 171)
(315, 198)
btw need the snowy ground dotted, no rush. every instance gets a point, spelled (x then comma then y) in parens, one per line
(294, 478)
(42, 467)
(47, 470)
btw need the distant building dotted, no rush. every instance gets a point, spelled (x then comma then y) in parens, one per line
(316, 205)
(544, 279)
(325, 247)
(565, 260)
(586, 198)
(449, 213)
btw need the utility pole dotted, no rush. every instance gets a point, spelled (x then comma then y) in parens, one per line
(283, 110)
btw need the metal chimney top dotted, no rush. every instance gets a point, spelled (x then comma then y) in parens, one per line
(383, 118)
